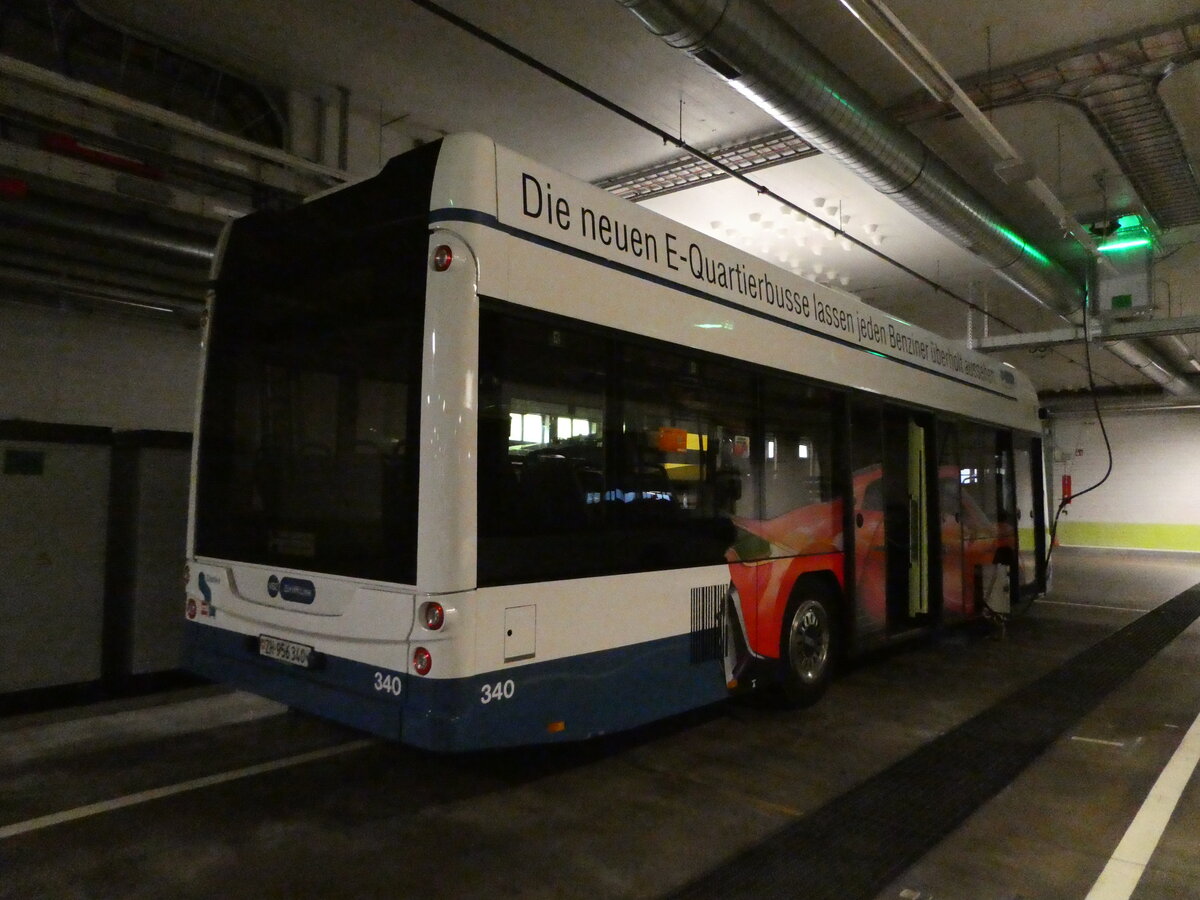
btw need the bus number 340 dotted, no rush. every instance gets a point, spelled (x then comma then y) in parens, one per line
(501, 690)
(388, 683)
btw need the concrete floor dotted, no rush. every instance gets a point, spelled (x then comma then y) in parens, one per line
(272, 804)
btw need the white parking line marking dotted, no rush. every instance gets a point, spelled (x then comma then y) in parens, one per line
(95, 809)
(1088, 740)
(1124, 870)
(1133, 609)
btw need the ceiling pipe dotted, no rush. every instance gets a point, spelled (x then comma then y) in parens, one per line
(156, 116)
(1173, 348)
(102, 276)
(762, 57)
(1152, 369)
(61, 287)
(77, 220)
(1075, 405)
(887, 28)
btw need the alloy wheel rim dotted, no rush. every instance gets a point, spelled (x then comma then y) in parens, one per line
(808, 641)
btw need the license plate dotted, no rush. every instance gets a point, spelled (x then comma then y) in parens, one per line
(285, 651)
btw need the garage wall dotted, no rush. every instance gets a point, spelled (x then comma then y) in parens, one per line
(54, 501)
(79, 368)
(1174, 280)
(372, 135)
(96, 414)
(1152, 499)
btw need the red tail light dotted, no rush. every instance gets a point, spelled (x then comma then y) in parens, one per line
(422, 661)
(442, 257)
(433, 615)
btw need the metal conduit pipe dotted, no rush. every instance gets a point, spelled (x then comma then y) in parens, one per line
(77, 220)
(762, 56)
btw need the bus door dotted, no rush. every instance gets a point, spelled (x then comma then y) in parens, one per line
(988, 499)
(1030, 515)
(906, 486)
(868, 520)
(918, 523)
(950, 513)
(891, 518)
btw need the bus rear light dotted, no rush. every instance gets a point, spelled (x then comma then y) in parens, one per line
(442, 257)
(433, 615)
(422, 661)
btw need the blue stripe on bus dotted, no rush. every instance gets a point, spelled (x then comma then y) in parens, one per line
(487, 219)
(566, 699)
(561, 700)
(339, 689)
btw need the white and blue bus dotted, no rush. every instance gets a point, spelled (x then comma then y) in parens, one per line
(487, 457)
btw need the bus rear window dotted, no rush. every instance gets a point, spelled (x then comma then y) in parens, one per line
(309, 420)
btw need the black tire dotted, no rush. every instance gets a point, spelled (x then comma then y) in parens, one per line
(808, 646)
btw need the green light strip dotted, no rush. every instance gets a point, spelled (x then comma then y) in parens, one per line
(1124, 245)
(1025, 246)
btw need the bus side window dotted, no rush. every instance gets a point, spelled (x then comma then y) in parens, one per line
(499, 490)
(540, 464)
(688, 463)
(799, 494)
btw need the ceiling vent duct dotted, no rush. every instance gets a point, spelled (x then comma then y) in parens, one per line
(764, 58)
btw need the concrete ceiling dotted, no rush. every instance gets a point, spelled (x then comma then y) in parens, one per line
(404, 66)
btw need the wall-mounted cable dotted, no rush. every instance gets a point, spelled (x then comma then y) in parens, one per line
(1065, 501)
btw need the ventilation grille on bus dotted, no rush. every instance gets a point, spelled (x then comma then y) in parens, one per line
(707, 638)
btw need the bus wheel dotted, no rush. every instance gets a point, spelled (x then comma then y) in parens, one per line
(807, 647)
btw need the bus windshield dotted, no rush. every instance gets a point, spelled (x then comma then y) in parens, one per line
(309, 417)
